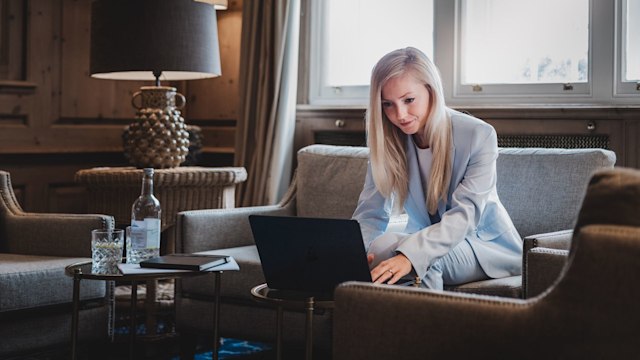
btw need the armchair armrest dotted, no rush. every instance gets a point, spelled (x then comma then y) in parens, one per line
(553, 240)
(52, 234)
(544, 266)
(200, 230)
(411, 323)
(548, 263)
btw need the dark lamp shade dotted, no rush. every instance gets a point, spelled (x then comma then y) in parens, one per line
(132, 39)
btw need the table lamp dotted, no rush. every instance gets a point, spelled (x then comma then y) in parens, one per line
(155, 40)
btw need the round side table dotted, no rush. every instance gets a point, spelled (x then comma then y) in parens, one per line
(294, 301)
(83, 271)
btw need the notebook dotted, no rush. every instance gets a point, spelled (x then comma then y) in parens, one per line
(194, 262)
(310, 255)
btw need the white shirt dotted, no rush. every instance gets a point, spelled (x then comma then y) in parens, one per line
(425, 160)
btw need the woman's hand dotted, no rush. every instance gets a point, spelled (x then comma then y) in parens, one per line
(390, 270)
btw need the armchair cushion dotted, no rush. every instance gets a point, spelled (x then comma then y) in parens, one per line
(329, 180)
(30, 281)
(509, 286)
(542, 188)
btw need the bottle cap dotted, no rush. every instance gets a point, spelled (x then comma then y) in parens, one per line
(148, 171)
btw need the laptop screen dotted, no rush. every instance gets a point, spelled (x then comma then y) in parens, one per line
(309, 254)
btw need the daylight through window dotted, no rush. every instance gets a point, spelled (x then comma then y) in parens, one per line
(519, 41)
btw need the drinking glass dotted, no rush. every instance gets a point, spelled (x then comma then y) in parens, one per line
(106, 250)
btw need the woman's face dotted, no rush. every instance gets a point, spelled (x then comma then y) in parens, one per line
(406, 103)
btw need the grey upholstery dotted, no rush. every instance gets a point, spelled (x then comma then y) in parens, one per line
(35, 293)
(590, 312)
(541, 188)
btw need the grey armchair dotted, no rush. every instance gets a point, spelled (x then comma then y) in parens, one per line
(590, 312)
(35, 293)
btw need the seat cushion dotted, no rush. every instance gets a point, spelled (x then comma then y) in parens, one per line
(29, 281)
(234, 284)
(506, 287)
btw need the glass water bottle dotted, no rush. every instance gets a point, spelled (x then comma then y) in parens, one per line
(145, 223)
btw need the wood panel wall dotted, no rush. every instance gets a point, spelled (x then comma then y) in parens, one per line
(55, 119)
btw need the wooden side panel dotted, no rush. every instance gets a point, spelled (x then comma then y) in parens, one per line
(217, 98)
(621, 126)
(631, 139)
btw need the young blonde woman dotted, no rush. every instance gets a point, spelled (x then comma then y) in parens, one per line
(439, 165)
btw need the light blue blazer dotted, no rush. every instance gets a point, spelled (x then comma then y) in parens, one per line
(472, 211)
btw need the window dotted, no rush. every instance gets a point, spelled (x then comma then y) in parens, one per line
(350, 36)
(506, 42)
(488, 51)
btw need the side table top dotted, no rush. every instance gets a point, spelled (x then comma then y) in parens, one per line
(179, 176)
(83, 271)
(291, 299)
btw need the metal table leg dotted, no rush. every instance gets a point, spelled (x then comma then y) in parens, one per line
(309, 331)
(279, 333)
(132, 321)
(111, 304)
(75, 315)
(216, 320)
(150, 303)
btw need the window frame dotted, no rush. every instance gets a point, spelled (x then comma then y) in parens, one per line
(515, 91)
(622, 88)
(603, 86)
(327, 95)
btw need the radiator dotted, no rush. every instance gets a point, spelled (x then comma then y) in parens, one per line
(555, 141)
(357, 138)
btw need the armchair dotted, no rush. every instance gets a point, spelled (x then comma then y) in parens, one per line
(591, 311)
(35, 293)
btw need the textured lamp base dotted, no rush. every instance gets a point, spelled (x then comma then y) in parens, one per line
(158, 138)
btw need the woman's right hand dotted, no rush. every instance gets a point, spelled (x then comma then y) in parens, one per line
(391, 270)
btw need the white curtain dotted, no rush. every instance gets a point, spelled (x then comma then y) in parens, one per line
(280, 172)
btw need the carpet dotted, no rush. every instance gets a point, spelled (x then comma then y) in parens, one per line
(236, 349)
(230, 349)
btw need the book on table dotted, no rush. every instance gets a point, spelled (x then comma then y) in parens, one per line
(194, 262)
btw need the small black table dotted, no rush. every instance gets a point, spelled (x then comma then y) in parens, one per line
(82, 270)
(293, 300)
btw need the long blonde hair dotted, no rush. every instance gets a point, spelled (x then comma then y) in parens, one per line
(388, 144)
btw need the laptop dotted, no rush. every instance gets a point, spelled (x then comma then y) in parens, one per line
(310, 255)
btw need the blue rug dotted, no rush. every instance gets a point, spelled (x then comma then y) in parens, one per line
(229, 348)
(233, 349)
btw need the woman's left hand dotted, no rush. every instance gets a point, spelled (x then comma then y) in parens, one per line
(391, 270)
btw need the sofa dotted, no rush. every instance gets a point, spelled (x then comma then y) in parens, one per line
(590, 312)
(35, 293)
(540, 188)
